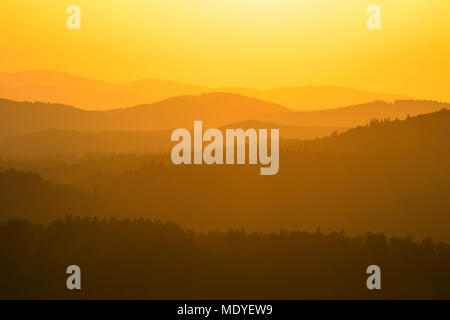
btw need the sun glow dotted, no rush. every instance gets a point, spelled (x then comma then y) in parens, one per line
(254, 43)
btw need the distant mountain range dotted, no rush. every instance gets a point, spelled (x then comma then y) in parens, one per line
(313, 98)
(215, 110)
(91, 94)
(39, 129)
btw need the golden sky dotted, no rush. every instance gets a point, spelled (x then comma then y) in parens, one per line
(253, 43)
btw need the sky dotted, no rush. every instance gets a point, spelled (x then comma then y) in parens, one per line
(251, 43)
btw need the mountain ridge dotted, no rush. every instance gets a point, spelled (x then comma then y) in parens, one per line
(92, 94)
(215, 110)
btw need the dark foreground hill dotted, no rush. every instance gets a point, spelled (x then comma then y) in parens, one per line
(143, 259)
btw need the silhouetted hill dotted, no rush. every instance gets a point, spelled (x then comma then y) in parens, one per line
(356, 115)
(395, 178)
(88, 93)
(391, 177)
(308, 98)
(415, 134)
(145, 259)
(27, 195)
(48, 143)
(214, 109)
(25, 117)
(286, 131)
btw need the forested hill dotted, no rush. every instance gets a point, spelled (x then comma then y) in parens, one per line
(28, 195)
(144, 259)
(422, 133)
(391, 177)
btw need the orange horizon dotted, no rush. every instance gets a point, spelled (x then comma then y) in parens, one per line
(93, 94)
(250, 44)
(149, 78)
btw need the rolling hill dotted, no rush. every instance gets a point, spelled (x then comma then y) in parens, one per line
(91, 94)
(310, 98)
(356, 115)
(389, 176)
(28, 195)
(215, 110)
(49, 143)
(88, 93)
(427, 132)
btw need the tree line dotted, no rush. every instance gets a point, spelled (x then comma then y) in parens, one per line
(150, 259)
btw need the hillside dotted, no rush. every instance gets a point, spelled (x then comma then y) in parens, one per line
(391, 176)
(140, 255)
(356, 115)
(214, 109)
(27, 195)
(50, 143)
(287, 131)
(309, 98)
(88, 93)
(91, 94)
(399, 188)
(427, 132)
